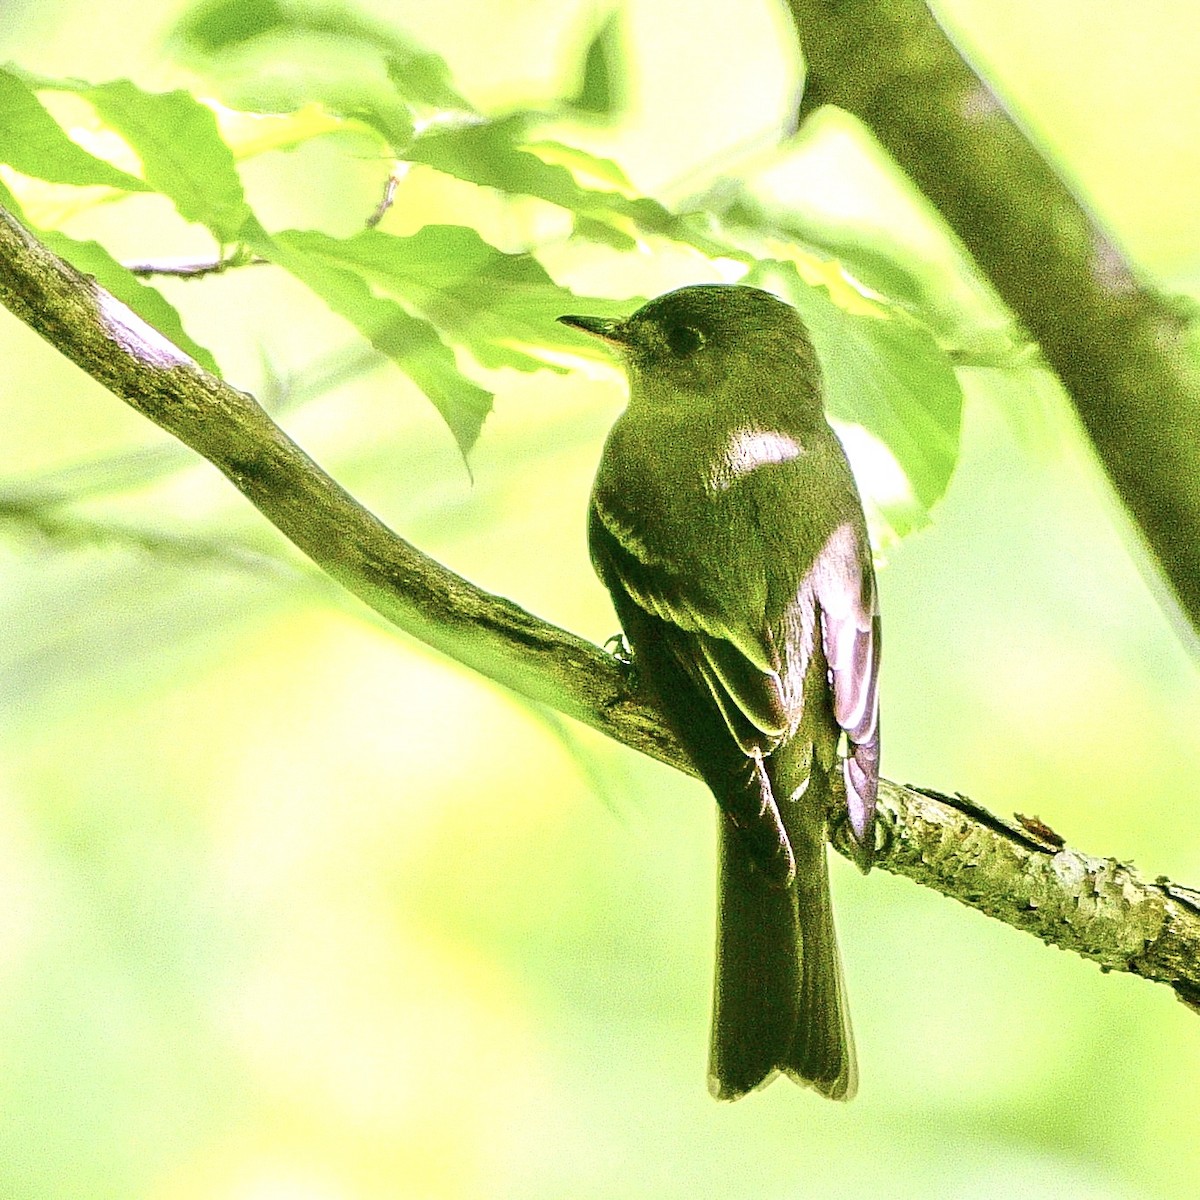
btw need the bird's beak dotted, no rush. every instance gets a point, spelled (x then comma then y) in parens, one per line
(607, 329)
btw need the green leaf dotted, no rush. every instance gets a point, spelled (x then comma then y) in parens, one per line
(92, 259)
(423, 77)
(250, 134)
(410, 341)
(606, 235)
(582, 162)
(947, 295)
(493, 303)
(210, 28)
(887, 374)
(147, 302)
(288, 54)
(32, 142)
(601, 89)
(497, 154)
(488, 153)
(182, 153)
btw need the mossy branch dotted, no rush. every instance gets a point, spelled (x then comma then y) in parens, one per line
(1126, 354)
(1098, 908)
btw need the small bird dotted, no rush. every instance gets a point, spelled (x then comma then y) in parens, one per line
(727, 527)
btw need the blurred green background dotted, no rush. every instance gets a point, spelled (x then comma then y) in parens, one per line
(292, 908)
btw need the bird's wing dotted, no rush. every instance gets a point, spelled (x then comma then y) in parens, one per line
(730, 655)
(844, 583)
(749, 646)
(725, 711)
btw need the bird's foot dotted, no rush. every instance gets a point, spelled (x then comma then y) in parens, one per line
(620, 649)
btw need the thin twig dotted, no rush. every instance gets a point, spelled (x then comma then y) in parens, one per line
(385, 201)
(200, 268)
(192, 268)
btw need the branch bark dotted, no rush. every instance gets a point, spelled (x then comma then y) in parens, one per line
(1098, 908)
(1126, 354)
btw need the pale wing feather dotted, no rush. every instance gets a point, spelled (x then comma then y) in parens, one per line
(845, 585)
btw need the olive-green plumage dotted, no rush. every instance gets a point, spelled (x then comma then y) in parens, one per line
(726, 525)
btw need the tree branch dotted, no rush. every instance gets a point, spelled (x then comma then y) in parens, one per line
(1098, 908)
(1121, 350)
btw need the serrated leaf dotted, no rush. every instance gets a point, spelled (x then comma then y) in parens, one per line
(582, 163)
(92, 259)
(248, 134)
(266, 29)
(492, 303)
(408, 340)
(886, 373)
(424, 78)
(494, 154)
(182, 153)
(146, 301)
(286, 74)
(826, 273)
(949, 299)
(32, 142)
(604, 233)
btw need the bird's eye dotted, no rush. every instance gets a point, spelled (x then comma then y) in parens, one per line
(684, 340)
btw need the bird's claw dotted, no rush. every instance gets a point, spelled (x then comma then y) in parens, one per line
(619, 648)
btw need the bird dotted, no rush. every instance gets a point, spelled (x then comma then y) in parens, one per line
(727, 527)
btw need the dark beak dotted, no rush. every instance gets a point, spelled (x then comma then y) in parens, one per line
(607, 329)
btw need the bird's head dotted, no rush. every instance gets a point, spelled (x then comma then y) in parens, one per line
(699, 338)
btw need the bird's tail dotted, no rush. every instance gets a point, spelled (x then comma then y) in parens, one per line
(822, 1050)
(779, 1002)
